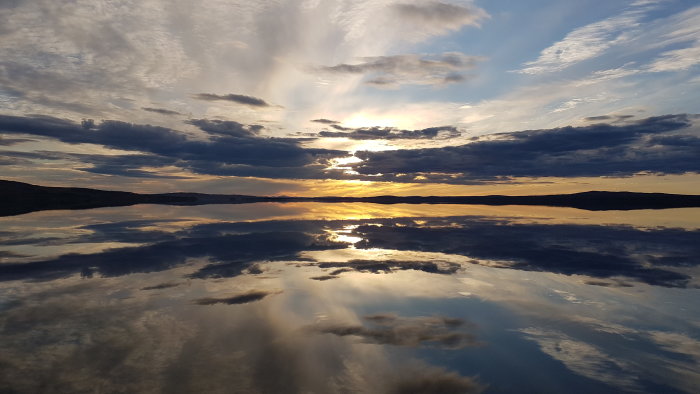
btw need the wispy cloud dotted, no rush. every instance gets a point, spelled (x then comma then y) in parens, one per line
(236, 98)
(325, 121)
(161, 111)
(585, 359)
(677, 60)
(243, 298)
(588, 41)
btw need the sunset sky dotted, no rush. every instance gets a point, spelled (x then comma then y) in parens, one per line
(361, 97)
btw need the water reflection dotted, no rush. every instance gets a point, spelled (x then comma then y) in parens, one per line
(269, 302)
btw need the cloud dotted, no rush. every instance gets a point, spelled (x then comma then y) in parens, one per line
(614, 118)
(608, 255)
(129, 345)
(324, 277)
(230, 254)
(585, 359)
(435, 381)
(161, 111)
(82, 60)
(390, 133)
(588, 42)
(128, 165)
(244, 298)
(325, 121)
(162, 286)
(236, 98)
(13, 141)
(676, 60)
(227, 128)
(664, 144)
(411, 69)
(136, 344)
(390, 329)
(438, 17)
(389, 266)
(595, 251)
(232, 148)
(220, 270)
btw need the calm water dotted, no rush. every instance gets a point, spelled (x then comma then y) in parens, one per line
(350, 298)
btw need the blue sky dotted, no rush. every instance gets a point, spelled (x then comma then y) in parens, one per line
(268, 69)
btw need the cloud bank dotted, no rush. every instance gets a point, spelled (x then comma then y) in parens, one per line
(231, 148)
(665, 144)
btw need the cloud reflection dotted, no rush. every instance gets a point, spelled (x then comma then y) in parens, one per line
(391, 329)
(608, 255)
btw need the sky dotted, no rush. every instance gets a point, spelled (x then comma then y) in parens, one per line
(362, 97)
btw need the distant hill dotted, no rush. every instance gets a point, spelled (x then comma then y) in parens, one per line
(17, 198)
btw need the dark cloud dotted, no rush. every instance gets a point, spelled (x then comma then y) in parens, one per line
(162, 286)
(324, 277)
(12, 161)
(13, 141)
(227, 128)
(123, 165)
(254, 269)
(609, 283)
(389, 329)
(220, 270)
(244, 298)
(608, 117)
(341, 128)
(409, 69)
(161, 111)
(4, 254)
(389, 266)
(325, 121)
(232, 148)
(391, 133)
(666, 144)
(236, 98)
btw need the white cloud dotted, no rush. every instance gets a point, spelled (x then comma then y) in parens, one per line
(588, 41)
(676, 60)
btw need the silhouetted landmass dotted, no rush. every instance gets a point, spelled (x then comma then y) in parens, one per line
(17, 198)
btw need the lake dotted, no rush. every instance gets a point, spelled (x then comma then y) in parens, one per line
(350, 298)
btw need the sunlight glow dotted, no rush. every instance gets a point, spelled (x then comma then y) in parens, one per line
(363, 119)
(341, 163)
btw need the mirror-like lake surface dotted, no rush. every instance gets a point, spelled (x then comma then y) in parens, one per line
(350, 298)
